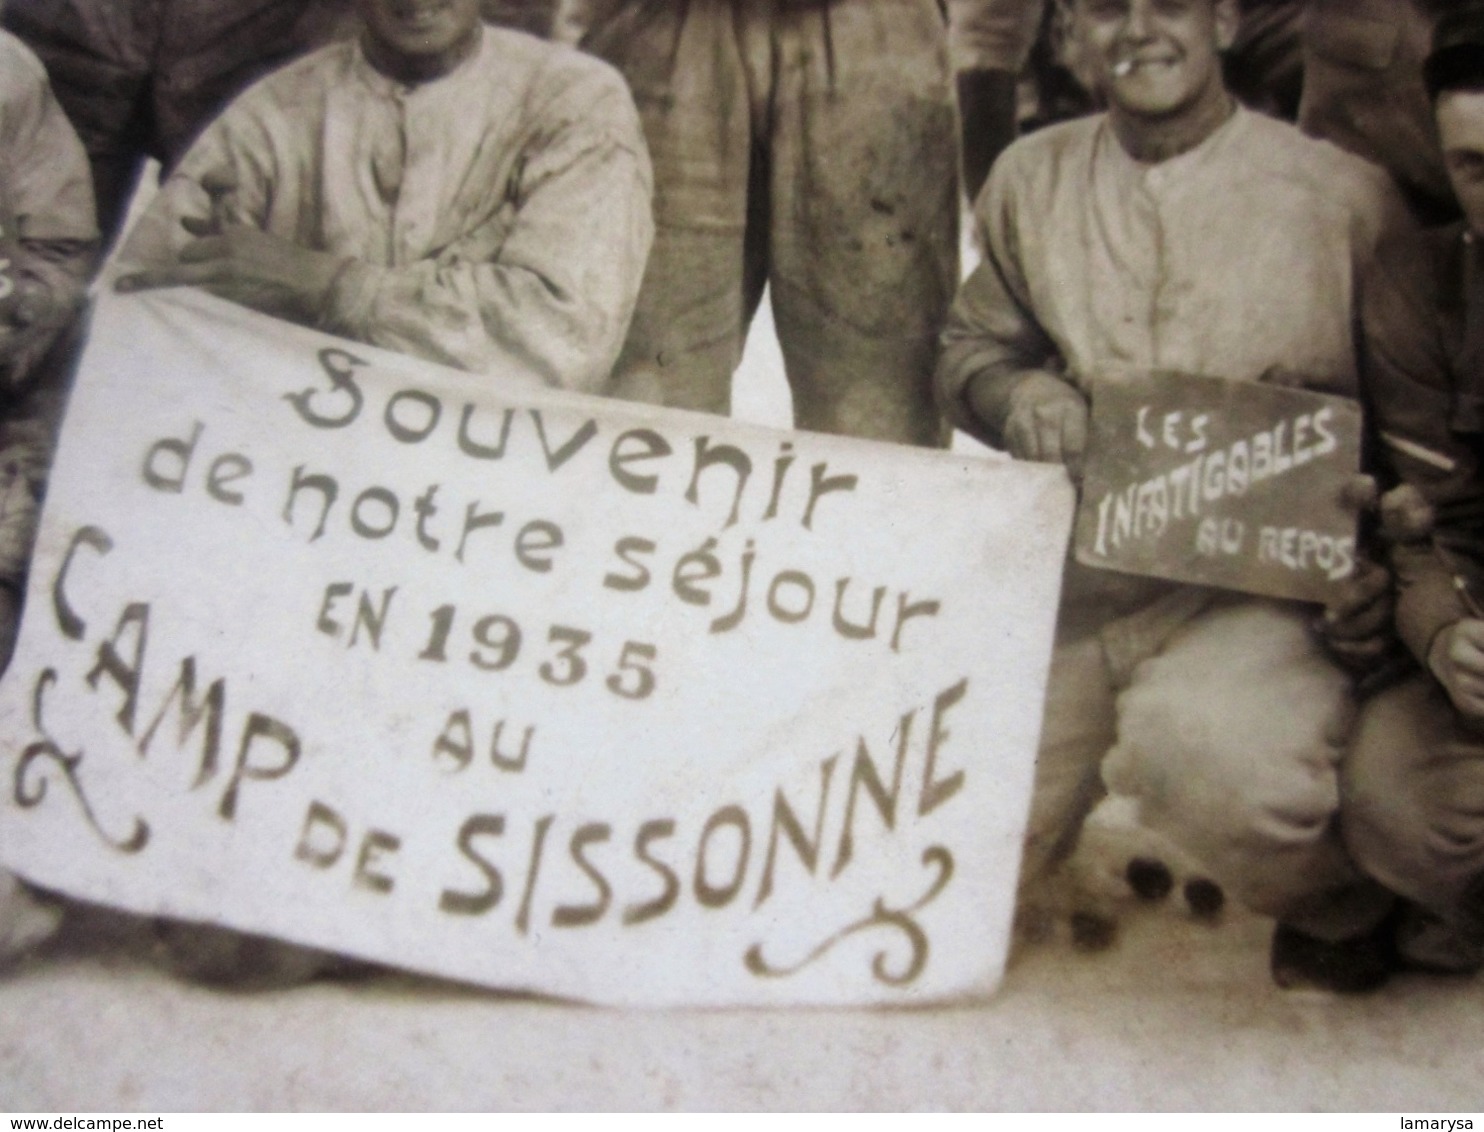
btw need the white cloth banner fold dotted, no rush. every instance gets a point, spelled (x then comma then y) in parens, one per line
(527, 689)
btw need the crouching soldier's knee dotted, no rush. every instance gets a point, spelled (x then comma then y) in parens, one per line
(1230, 742)
(1413, 795)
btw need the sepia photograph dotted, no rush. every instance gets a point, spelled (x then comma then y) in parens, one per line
(741, 556)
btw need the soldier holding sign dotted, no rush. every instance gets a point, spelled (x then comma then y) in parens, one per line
(1417, 772)
(140, 79)
(354, 192)
(1181, 232)
(462, 193)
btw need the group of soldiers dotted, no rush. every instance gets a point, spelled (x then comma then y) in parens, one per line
(452, 179)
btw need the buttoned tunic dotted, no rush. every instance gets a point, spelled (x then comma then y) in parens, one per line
(496, 219)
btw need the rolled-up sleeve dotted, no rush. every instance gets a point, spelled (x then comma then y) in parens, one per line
(991, 338)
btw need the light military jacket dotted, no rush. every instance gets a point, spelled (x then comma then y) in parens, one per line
(496, 219)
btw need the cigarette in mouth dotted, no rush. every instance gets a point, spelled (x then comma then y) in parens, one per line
(1123, 67)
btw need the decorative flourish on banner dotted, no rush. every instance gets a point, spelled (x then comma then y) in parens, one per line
(30, 790)
(881, 917)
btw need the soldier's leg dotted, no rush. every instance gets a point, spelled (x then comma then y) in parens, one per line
(684, 69)
(1413, 791)
(1231, 741)
(865, 206)
(990, 45)
(1079, 724)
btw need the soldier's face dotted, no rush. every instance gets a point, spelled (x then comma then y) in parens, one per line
(417, 35)
(1461, 127)
(1153, 58)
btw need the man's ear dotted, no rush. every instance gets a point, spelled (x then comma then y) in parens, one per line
(1228, 23)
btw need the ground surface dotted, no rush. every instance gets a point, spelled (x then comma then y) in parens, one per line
(1176, 1014)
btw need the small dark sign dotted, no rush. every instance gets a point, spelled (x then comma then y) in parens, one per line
(1223, 483)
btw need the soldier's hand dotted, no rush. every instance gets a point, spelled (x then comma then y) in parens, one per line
(1406, 516)
(220, 186)
(1402, 515)
(1358, 626)
(1357, 621)
(1048, 422)
(248, 266)
(1457, 660)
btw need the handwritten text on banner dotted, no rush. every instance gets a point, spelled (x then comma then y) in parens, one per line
(534, 690)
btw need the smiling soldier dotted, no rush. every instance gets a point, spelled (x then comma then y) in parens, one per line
(468, 195)
(1181, 232)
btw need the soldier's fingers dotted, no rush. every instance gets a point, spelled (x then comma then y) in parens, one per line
(1465, 697)
(1368, 582)
(1359, 652)
(1020, 437)
(219, 181)
(1468, 695)
(1370, 579)
(1470, 629)
(199, 226)
(1048, 435)
(171, 275)
(1359, 493)
(1467, 658)
(1359, 625)
(1406, 515)
(1073, 438)
(204, 250)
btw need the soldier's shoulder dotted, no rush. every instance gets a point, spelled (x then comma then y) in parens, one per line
(1319, 165)
(20, 69)
(561, 87)
(547, 66)
(1037, 160)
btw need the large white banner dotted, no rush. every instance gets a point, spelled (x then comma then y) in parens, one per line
(534, 690)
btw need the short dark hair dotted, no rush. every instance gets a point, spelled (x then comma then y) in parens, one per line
(1457, 58)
